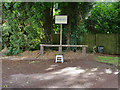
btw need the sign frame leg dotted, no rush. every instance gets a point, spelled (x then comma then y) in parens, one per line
(60, 48)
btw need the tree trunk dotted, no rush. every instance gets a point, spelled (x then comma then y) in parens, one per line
(51, 24)
(80, 16)
(47, 24)
(69, 29)
(92, 27)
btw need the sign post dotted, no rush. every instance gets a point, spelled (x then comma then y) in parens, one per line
(60, 19)
(60, 48)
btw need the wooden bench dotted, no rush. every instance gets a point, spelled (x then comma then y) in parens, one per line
(45, 45)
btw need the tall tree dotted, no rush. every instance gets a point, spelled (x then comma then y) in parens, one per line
(76, 12)
(105, 18)
(48, 21)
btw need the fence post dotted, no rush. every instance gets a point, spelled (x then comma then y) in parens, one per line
(83, 51)
(41, 49)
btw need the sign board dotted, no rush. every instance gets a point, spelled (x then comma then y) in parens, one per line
(61, 19)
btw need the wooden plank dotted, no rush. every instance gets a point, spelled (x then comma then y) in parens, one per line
(64, 45)
(83, 48)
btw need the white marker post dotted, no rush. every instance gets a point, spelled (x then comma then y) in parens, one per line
(60, 19)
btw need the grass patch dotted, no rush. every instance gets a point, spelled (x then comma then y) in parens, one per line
(107, 59)
(34, 62)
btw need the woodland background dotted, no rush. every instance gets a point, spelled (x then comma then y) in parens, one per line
(26, 25)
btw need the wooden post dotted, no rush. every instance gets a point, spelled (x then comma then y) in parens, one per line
(60, 48)
(83, 52)
(41, 49)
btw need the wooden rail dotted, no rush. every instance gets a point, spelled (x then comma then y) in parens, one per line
(45, 45)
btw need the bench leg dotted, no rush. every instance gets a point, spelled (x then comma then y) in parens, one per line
(84, 52)
(41, 50)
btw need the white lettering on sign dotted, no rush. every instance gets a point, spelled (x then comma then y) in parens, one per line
(61, 19)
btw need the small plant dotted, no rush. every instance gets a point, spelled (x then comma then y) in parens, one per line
(13, 51)
(94, 49)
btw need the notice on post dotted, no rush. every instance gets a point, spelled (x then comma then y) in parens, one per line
(61, 19)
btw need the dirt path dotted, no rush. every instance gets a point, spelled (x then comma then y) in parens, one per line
(76, 73)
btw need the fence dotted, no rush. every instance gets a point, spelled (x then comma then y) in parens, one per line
(109, 41)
